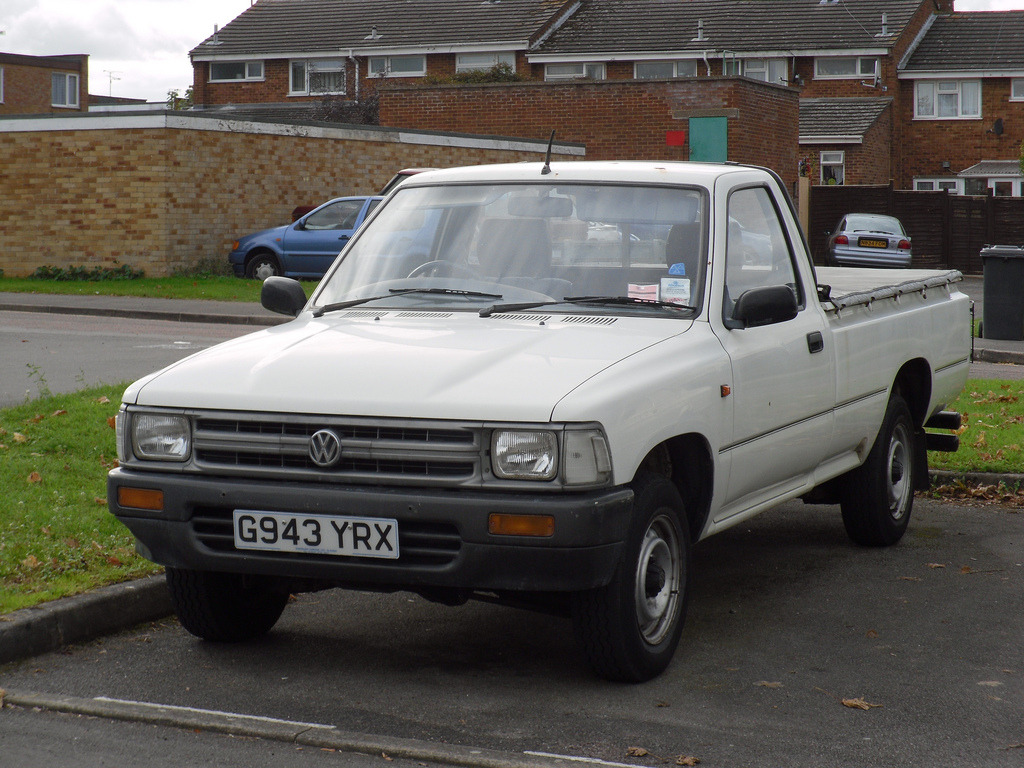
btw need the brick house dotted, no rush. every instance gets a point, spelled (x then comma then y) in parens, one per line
(32, 85)
(860, 71)
(962, 114)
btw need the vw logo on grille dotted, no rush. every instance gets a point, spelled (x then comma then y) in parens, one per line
(324, 448)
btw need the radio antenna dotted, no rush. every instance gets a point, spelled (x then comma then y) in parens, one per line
(547, 157)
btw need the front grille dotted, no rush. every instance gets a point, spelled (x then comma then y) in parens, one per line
(372, 451)
(420, 544)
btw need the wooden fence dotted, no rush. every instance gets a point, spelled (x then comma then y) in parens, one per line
(947, 231)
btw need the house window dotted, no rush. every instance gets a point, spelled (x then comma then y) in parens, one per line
(227, 71)
(953, 186)
(947, 99)
(657, 70)
(975, 186)
(766, 70)
(1017, 89)
(398, 66)
(470, 62)
(579, 71)
(64, 90)
(833, 167)
(317, 76)
(839, 67)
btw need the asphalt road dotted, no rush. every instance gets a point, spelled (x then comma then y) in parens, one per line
(787, 619)
(64, 353)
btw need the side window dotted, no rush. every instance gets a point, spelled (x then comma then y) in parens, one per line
(757, 251)
(341, 215)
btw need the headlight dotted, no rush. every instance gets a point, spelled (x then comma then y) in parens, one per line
(587, 458)
(524, 454)
(160, 437)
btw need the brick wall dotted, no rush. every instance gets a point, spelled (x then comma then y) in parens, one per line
(616, 120)
(926, 144)
(166, 192)
(27, 83)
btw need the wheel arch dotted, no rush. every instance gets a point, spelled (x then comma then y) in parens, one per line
(914, 384)
(261, 250)
(686, 461)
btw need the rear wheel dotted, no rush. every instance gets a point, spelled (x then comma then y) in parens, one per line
(630, 628)
(879, 495)
(262, 266)
(224, 607)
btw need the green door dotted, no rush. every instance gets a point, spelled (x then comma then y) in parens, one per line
(709, 139)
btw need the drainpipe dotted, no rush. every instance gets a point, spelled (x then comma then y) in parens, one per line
(355, 61)
(707, 64)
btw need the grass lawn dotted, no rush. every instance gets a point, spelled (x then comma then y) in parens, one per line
(57, 537)
(213, 287)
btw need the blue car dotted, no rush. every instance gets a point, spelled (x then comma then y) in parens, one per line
(307, 246)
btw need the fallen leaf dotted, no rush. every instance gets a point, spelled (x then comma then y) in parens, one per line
(637, 752)
(31, 562)
(687, 760)
(35, 477)
(872, 634)
(936, 565)
(103, 399)
(112, 422)
(966, 569)
(61, 412)
(71, 543)
(20, 438)
(859, 704)
(36, 419)
(766, 684)
(100, 500)
(911, 578)
(46, 530)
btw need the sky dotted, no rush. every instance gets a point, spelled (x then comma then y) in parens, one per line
(139, 48)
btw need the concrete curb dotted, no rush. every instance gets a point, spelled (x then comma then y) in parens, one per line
(304, 734)
(146, 314)
(50, 626)
(987, 355)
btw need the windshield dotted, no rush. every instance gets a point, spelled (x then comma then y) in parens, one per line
(627, 249)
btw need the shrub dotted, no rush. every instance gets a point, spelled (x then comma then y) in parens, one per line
(79, 273)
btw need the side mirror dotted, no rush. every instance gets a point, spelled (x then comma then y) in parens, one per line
(763, 306)
(283, 295)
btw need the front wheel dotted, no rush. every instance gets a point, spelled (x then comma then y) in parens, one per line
(630, 628)
(224, 607)
(879, 495)
(262, 266)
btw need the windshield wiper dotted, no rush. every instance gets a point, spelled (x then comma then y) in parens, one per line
(401, 292)
(607, 300)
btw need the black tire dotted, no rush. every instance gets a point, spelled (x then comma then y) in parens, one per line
(630, 628)
(224, 607)
(262, 266)
(878, 496)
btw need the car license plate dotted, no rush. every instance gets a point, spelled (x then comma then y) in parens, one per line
(316, 534)
(872, 242)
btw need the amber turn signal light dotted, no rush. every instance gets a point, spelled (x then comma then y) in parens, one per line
(141, 498)
(521, 525)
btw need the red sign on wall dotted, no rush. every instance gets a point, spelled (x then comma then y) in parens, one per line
(675, 138)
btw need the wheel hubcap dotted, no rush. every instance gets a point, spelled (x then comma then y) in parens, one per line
(659, 575)
(264, 270)
(899, 472)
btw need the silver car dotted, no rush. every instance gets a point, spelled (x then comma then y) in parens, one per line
(869, 240)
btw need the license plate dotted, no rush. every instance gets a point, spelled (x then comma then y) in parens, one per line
(316, 534)
(872, 242)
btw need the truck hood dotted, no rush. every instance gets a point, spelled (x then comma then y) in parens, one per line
(460, 367)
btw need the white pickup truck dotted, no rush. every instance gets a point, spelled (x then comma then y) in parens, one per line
(539, 384)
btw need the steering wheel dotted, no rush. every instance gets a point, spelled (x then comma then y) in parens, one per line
(442, 268)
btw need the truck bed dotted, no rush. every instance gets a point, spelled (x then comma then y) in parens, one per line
(852, 286)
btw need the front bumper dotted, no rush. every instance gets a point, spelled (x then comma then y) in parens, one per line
(444, 536)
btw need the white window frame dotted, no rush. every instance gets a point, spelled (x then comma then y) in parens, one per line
(383, 66)
(464, 62)
(1017, 89)
(311, 67)
(1, 85)
(675, 64)
(932, 90)
(863, 67)
(253, 71)
(832, 158)
(765, 70)
(577, 70)
(933, 183)
(70, 92)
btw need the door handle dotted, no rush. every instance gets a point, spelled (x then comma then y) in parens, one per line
(343, 237)
(815, 342)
